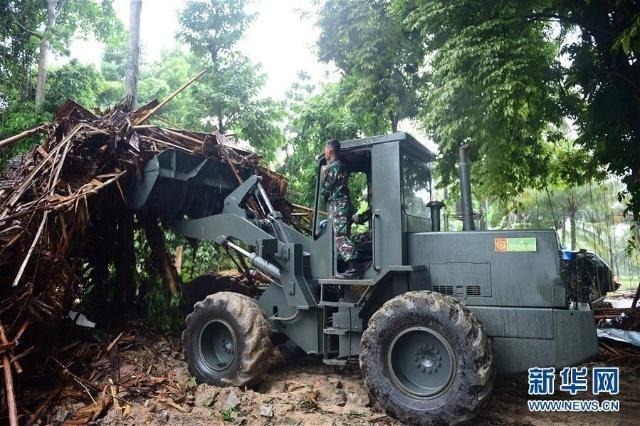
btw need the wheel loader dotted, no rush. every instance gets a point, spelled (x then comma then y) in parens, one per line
(434, 317)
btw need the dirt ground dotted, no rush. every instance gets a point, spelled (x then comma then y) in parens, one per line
(301, 391)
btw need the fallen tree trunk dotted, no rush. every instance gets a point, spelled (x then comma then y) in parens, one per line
(160, 256)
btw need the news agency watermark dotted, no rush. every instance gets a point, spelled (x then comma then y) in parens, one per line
(573, 405)
(574, 381)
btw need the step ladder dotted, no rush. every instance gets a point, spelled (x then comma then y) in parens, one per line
(332, 334)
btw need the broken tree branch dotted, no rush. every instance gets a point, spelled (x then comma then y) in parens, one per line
(8, 381)
(171, 96)
(8, 141)
(33, 246)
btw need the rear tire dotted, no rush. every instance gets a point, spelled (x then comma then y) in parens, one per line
(227, 340)
(426, 359)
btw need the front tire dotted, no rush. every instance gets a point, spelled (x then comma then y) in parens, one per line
(227, 340)
(426, 359)
(213, 282)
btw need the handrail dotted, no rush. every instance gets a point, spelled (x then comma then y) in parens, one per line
(316, 202)
(376, 214)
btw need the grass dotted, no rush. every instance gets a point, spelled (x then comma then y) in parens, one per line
(228, 414)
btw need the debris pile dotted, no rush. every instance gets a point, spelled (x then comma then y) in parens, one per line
(619, 332)
(94, 377)
(138, 377)
(62, 209)
(149, 378)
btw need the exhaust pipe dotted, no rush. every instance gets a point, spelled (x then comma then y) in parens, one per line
(465, 190)
(435, 207)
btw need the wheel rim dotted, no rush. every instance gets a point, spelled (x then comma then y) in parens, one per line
(421, 362)
(217, 345)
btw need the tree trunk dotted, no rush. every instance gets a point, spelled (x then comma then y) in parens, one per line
(160, 257)
(394, 121)
(572, 209)
(43, 59)
(607, 233)
(572, 227)
(133, 62)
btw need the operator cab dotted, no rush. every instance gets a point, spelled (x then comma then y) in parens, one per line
(389, 178)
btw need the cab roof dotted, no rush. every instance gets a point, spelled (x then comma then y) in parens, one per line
(407, 142)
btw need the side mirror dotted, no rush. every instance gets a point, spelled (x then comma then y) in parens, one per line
(322, 228)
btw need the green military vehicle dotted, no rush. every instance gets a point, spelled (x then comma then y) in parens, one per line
(435, 315)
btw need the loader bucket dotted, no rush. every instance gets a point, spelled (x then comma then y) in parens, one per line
(175, 184)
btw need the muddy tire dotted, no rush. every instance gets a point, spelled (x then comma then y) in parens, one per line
(227, 340)
(210, 283)
(426, 359)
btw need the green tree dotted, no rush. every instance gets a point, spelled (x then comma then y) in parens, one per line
(113, 68)
(312, 122)
(64, 19)
(505, 74)
(295, 101)
(493, 84)
(213, 27)
(114, 59)
(25, 32)
(571, 172)
(228, 97)
(82, 83)
(15, 119)
(380, 59)
(18, 49)
(19, 21)
(562, 194)
(605, 72)
(587, 216)
(162, 77)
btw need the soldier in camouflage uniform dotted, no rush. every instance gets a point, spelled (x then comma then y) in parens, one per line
(335, 191)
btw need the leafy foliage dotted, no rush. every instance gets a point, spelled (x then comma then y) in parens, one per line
(22, 29)
(213, 26)
(605, 72)
(16, 119)
(493, 84)
(380, 59)
(228, 97)
(81, 18)
(19, 21)
(318, 119)
(587, 216)
(230, 93)
(82, 83)
(506, 75)
(164, 310)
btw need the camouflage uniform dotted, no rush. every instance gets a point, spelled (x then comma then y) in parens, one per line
(335, 191)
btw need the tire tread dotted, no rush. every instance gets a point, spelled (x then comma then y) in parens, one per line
(461, 407)
(256, 332)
